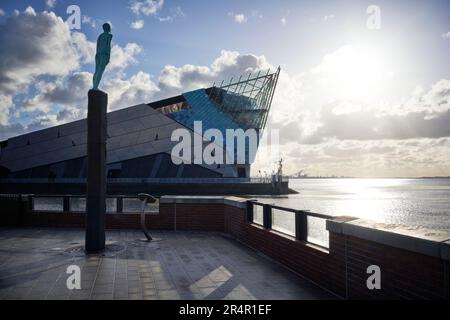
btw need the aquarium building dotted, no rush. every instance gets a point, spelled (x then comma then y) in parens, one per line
(139, 137)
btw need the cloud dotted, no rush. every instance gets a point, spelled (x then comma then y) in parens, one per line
(256, 14)
(374, 158)
(137, 89)
(90, 21)
(13, 130)
(50, 3)
(147, 7)
(33, 45)
(84, 48)
(446, 35)
(283, 21)
(328, 17)
(424, 115)
(138, 24)
(6, 104)
(176, 12)
(122, 57)
(39, 51)
(240, 18)
(154, 8)
(2, 12)
(69, 92)
(174, 80)
(365, 125)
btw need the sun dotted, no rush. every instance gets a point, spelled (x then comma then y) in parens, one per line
(356, 72)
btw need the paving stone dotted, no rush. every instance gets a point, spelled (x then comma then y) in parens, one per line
(185, 265)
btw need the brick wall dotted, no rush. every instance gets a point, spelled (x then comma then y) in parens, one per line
(206, 217)
(404, 274)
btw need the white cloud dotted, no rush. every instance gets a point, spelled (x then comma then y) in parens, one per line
(89, 20)
(240, 18)
(137, 89)
(69, 92)
(256, 14)
(138, 24)
(50, 3)
(153, 8)
(146, 7)
(2, 12)
(122, 57)
(174, 80)
(84, 48)
(283, 21)
(5, 104)
(328, 17)
(446, 35)
(34, 44)
(37, 45)
(176, 12)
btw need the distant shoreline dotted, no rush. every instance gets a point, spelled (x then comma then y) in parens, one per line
(305, 178)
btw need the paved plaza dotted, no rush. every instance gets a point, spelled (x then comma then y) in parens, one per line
(178, 265)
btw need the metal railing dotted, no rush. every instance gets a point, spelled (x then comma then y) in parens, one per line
(300, 226)
(266, 180)
(77, 204)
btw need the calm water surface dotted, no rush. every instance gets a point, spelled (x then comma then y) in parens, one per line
(417, 202)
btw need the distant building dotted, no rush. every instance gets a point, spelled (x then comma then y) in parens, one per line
(139, 137)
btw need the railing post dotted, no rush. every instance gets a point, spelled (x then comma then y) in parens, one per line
(267, 216)
(31, 202)
(119, 204)
(249, 212)
(66, 204)
(301, 226)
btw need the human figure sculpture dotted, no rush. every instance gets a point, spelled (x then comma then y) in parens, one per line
(103, 54)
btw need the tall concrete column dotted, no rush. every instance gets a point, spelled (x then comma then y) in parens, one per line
(96, 171)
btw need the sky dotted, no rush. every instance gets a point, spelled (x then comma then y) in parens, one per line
(364, 91)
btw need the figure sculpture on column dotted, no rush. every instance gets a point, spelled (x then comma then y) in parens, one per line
(103, 54)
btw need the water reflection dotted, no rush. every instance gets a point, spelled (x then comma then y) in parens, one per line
(421, 202)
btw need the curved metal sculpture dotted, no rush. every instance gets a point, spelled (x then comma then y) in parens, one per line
(145, 198)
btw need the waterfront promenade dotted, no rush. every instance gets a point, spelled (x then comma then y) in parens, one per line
(178, 265)
(216, 248)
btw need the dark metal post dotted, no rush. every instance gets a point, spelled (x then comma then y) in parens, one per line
(267, 216)
(31, 202)
(96, 171)
(301, 226)
(119, 204)
(249, 212)
(66, 204)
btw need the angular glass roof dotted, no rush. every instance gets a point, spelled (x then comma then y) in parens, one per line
(248, 99)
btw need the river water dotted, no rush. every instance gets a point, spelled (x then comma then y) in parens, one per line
(414, 202)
